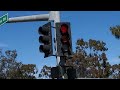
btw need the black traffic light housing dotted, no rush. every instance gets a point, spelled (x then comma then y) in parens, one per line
(55, 72)
(63, 38)
(46, 39)
(71, 73)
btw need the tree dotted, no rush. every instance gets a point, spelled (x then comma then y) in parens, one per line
(90, 59)
(115, 30)
(10, 68)
(45, 72)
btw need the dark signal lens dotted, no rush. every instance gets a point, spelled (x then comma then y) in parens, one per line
(64, 39)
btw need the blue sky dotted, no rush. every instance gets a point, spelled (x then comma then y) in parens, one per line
(84, 24)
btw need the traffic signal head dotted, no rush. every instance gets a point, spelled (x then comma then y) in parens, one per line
(46, 39)
(55, 72)
(63, 38)
(71, 73)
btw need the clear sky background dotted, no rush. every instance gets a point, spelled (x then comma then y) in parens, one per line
(84, 24)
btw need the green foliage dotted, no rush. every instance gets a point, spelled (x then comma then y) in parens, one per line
(115, 30)
(45, 72)
(10, 68)
(90, 59)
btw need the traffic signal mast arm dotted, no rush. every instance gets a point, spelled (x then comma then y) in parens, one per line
(44, 17)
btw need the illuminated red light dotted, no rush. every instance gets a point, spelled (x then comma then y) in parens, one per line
(64, 29)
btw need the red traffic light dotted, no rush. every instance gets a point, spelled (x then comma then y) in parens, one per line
(64, 32)
(63, 38)
(64, 28)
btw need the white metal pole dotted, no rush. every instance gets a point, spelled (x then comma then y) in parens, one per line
(55, 15)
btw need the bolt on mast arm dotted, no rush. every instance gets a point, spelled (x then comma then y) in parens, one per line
(43, 17)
